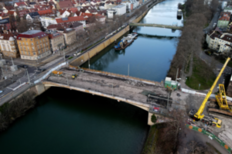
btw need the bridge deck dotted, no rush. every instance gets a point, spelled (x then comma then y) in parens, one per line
(112, 85)
(156, 25)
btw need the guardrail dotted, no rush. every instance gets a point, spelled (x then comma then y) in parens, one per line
(211, 135)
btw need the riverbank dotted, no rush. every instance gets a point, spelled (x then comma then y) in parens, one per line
(189, 47)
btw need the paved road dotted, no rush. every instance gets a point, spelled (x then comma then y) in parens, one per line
(214, 20)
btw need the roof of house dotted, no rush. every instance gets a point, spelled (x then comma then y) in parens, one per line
(9, 7)
(23, 12)
(44, 12)
(31, 34)
(225, 16)
(21, 3)
(70, 19)
(53, 34)
(8, 36)
(65, 4)
(226, 37)
(4, 21)
(34, 14)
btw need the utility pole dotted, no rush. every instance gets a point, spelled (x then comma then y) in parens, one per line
(67, 79)
(12, 61)
(177, 73)
(28, 78)
(64, 56)
(128, 69)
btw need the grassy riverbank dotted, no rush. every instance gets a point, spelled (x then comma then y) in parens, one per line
(202, 74)
(150, 144)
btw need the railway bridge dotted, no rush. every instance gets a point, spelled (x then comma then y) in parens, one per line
(174, 27)
(147, 95)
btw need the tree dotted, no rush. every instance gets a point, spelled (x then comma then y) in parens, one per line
(153, 118)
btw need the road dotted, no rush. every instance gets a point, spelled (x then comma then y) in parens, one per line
(214, 20)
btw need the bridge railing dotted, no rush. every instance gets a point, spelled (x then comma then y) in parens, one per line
(118, 75)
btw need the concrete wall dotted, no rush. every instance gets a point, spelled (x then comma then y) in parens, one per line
(83, 58)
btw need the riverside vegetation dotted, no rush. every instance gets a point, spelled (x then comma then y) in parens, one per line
(16, 108)
(191, 41)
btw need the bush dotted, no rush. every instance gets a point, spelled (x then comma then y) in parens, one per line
(153, 118)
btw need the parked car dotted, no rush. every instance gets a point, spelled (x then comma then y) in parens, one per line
(23, 66)
(41, 69)
(1, 91)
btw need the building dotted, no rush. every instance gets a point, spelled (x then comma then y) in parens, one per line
(33, 16)
(65, 4)
(33, 45)
(46, 21)
(80, 19)
(120, 9)
(56, 40)
(224, 20)
(228, 9)
(69, 36)
(221, 42)
(8, 44)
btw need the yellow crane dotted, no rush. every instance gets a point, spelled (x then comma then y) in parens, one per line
(210, 120)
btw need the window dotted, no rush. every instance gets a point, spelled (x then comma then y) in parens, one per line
(34, 53)
(31, 39)
(32, 43)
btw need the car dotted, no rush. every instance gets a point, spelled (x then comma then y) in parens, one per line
(1, 91)
(41, 69)
(66, 56)
(23, 66)
(214, 25)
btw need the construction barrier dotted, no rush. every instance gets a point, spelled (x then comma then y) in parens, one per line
(211, 135)
(121, 76)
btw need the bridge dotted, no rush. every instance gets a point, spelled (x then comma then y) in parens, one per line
(141, 93)
(156, 25)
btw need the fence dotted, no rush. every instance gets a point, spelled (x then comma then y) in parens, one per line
(211, 135)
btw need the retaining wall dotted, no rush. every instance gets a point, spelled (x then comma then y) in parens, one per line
(84, 57)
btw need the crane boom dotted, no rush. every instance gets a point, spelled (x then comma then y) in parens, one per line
(199, 114)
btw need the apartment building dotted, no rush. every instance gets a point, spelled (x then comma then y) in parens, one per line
(33, 45)
(8, 44)
(56, 40)
(69, 36)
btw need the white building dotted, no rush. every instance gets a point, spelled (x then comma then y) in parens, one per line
(219, 42)
(46, 21)
(120, 9)
(111, 13)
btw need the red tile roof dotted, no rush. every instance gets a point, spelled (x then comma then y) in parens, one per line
(65, 4)
(70, 19)
(225, 16)
(21, 3)
(44, 12)
(73, 9)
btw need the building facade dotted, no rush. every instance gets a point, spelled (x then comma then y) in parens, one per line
(219, 42)
(8, 45)
(69, 36)
(56, 41)
(33, 45)
(224, 20)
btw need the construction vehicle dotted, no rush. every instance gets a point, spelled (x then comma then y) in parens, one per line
(210, 120)
(74, 76)
(58, 73)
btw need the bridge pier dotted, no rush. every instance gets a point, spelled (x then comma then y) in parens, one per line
(149, 122)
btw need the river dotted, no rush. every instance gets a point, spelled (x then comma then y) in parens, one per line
(149, 56)
(66, 121)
